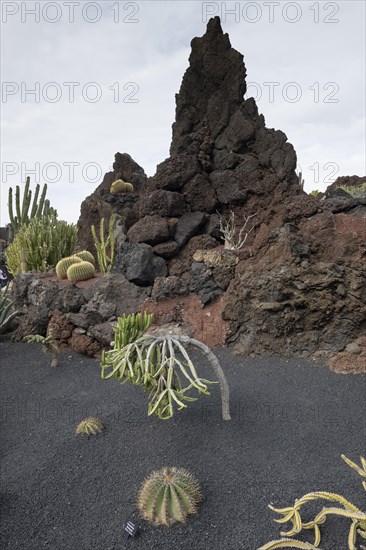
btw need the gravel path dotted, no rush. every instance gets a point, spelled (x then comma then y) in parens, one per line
(291, 421)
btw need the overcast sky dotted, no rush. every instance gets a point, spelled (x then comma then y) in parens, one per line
(104, 77)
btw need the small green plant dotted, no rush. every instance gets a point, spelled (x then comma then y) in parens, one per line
(89, 426)
(80, 271)
(63, 265)
(160, 364)
(169, 495)
(354, 189)
(131, 327)
(23, 216)
(86, 256)
(6, 316)
(105, 247)
(49, 346)
(314, 193)
(40, 244)
(348, 510)
(120, 186)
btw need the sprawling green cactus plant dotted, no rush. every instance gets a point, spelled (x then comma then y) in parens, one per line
(89, 426)
(40, 244)
(169, 495)
(23, 216)
(49, 346)
(348, 510)
(63, 265)
(120, 186)
(6, 316)
(81, 271)
(105, 247)
(86, 256)
(158, 364)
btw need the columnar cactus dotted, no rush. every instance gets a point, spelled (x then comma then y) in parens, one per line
(120, 186)
(81, 271)
(64, 264)
(169, 495)
(22, 212)
(86, 256)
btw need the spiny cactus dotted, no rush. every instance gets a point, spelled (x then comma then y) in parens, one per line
(49, 346)
(86, 256)
(105, 247)
(89, 426)
(120, 186)
(38, 210)
(81, 271)
(5, 306)
(169, 495)
(347, 510)
(63, 265)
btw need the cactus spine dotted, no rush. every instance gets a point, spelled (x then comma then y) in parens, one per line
(102, 245)
(64, 264)
(169, 495)
(80, 271)
(120, 186)
(38, 210)
(86, 256)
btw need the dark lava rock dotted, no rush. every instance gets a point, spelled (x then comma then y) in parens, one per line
(139, 263)
(167, 250)
(188, 226)
(150, 229)
(203, 283)
(168, 287)
(162, 203)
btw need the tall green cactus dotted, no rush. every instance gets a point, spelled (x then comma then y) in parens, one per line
(105, 247)
(39, 209)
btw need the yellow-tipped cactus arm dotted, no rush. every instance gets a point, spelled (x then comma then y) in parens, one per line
(287, 543)
(359, 470)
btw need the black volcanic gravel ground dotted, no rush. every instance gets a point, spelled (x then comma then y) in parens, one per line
(291, 421)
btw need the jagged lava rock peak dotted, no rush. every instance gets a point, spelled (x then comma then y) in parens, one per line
(298, 286)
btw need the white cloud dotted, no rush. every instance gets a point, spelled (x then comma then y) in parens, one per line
(153, 53)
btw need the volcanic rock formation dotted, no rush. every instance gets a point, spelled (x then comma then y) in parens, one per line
(298, 284)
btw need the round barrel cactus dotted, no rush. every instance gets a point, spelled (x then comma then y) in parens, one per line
(63, 265)
(89, 426)
(120, 186)
(86, 256)
(169, 495)
(80, 272)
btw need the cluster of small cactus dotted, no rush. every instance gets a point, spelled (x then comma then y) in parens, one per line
(40, 244)
(131, 327)
(6, 316)
(89, 426)
(38, 210)
(82, 264)
(169, 495)
(120, 186)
